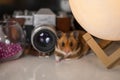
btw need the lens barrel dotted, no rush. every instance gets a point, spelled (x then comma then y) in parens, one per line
(43, 39)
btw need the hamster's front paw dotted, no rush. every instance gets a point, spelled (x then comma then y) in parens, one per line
(58, 58)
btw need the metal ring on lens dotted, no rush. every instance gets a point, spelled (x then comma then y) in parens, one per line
(37, 30)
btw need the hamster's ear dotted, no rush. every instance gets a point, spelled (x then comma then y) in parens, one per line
(59, 34)
(75, 34)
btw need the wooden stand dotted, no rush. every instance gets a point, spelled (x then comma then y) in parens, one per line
(108, 61)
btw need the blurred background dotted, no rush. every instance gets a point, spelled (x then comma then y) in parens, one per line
(8, 6)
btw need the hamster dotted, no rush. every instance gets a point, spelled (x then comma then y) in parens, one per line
(70, 45)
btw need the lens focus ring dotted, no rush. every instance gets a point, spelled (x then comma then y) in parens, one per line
(43, 39)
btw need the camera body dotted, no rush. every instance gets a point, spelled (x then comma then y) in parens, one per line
(40, 29)
(43, 36)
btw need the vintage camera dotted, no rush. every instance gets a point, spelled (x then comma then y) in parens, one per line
(41, 27)
(27, 23)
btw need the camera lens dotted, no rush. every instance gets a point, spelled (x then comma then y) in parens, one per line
(44, 40)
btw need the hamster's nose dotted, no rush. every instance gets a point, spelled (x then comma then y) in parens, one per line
(67, 51)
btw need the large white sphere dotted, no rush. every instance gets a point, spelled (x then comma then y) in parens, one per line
(100, 18)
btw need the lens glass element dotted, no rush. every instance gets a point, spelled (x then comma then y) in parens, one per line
(44, 40)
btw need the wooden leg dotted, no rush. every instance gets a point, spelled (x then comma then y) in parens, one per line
(108, 61)
(104, 43)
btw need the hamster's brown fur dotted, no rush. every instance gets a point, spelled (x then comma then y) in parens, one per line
(70, 45)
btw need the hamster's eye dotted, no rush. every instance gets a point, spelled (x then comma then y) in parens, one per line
(71, 44)
(63, 44)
